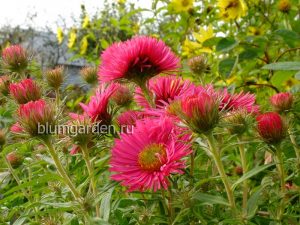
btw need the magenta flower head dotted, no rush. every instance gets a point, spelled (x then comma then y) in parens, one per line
(15, 58)
(164, 90)
(282, 101)
(25, 91)
(240, 101)
(97, 109)
(34, 117)
(271, 127)
(144, 162)
(122, 96)
(200, 112)
(137, 60)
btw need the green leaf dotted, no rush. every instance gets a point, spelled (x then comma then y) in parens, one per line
(210, 199)
(251, 173)
(226, 44)
(211, 42)
(252, 202)
(19, 221)
(280, 77)
(105, 204)
(282, 66)
(226, 66)
(297, 75)
(290, 37)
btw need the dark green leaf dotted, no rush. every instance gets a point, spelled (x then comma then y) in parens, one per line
(226, 44)
(282, 66)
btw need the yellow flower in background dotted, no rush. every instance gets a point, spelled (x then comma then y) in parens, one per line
(136, 28)
(232, 9)
(72, 38)
(193, 48)
(182, 5)
(84, 45)
(59, 35)
(284, 6)
(86, 21)
(121, 1)
(255, 31)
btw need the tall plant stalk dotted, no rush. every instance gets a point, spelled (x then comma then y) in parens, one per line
(217, 159)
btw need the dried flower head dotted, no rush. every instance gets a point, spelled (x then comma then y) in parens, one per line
(237, 121)
(198, 65)
(89, 74)
(55, 77)
(284, 6)
(4, 85)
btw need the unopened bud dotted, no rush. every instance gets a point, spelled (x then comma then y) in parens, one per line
(14, 159)
(55, 77)
(89, 74)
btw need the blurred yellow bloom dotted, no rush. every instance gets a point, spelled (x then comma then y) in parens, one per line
(121, 1)
(84, 45)
(232, 9)
(182, 5)
(86, 21)
(59, 35)
(193, 48)
(255, 31)
(136, 28)
(72, 38)
(284, 6)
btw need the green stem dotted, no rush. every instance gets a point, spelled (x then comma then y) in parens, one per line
(57, 98)
(296, 147)
(90, 169)
(15, 176)
(245, 183)
(280, 168)
(170, 207)
(192, 167)
(147, 95)
(62, 172)
(217, 158)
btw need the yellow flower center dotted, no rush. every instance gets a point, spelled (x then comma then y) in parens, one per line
(152, 157)
(185, 3)
(232, 4)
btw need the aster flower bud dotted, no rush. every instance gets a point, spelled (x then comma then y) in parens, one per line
(25, 91)
(271, 127)
(4, 85)
(81, 130)
(15, 58)
(14, 159)
(198, 65)
(238, 121)
(55, 77)
(284, 6)
(282, 101)
(2, 138)
(34, 117)
(89, 74)
(239, 170)
(122, 96)
(200, 112)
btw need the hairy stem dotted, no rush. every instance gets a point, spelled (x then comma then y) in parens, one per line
(62, 172)
(245, 183)
(296, 147)
(90, 169)
(217, 159)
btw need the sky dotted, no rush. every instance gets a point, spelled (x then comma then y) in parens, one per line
(49, 12)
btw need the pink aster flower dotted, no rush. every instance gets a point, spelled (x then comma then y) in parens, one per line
(34, 114)
(14, 58)
(97, 108)
(25, 91)
(137, 59)
(282, 101)
(144, 162)
(164, 90)
(271, 127)
(238, 101)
